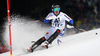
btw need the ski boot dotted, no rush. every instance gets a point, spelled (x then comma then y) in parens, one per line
(36, 44)
(46, 45)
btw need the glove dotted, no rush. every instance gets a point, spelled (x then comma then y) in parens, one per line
(51, 17)
(68, 26)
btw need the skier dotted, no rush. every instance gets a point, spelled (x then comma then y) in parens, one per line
(57, 29)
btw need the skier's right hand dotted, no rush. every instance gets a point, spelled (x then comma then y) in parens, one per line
(51, 17)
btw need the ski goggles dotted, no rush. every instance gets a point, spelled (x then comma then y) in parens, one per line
(56, 9)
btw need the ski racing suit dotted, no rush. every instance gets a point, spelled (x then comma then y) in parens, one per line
(57, 23)
(57, 29)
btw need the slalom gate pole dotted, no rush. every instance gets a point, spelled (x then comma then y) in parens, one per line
(8, 10)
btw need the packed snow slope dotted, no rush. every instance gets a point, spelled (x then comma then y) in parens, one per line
(25, 31)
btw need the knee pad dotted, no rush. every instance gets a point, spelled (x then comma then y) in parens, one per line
(54, 36)
(40, 41)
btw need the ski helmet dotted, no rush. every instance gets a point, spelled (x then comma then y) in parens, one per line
(55, 7)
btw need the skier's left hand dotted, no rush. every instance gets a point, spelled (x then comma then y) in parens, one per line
(68, 26)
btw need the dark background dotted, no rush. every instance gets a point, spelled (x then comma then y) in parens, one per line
(36, 8)
(78, 10)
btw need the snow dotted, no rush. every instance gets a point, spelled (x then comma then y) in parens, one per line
(82, 44)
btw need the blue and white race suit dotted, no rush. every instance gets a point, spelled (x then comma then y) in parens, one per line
(57, 23)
